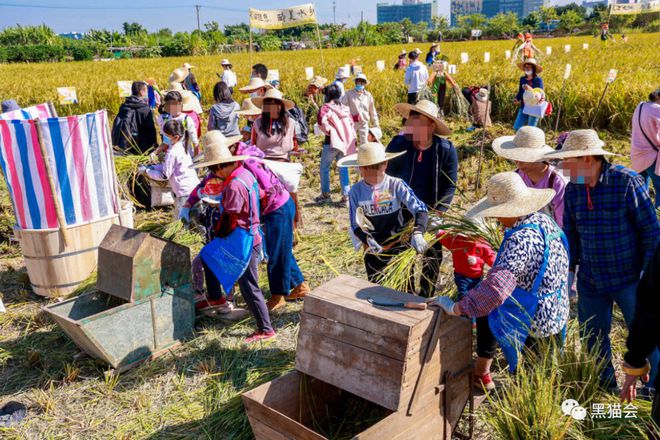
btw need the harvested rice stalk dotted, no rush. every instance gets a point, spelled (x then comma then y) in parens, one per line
(400, 271)
(127, 173)
(175, 231)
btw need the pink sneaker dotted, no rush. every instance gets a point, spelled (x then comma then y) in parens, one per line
(259, 336)
(484, 382)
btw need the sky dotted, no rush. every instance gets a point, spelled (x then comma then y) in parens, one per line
(178, 15)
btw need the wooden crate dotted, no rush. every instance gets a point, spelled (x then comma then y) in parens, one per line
(377, 352)
(296, 406)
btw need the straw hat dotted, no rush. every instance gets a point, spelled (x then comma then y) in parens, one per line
(225, 62)
(188, 66)
(216, 149)
(318, 81)
(403, 52)
(362, 76)
(377, 132)
(528, 145)
(178, 76)
(342, 73)
(248, 108)
(434, 45)
(254, 84)
(509, 197)
(482, 95)
(190, 102)
(371, 153)
(532, 61)
(426, 108)
(580, 143)
(275, 95)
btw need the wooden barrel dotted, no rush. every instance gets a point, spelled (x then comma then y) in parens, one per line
(55, 269)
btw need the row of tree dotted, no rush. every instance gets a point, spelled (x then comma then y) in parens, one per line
(41, 43)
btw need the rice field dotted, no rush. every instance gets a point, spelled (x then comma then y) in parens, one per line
(194, 392)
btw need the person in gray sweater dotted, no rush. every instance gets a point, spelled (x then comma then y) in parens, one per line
(223, 115)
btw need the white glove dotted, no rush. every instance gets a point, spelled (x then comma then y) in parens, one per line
(373, 246)
(418, 243)
(153, 157)
(435, 223)
(447, 304)
(142, 169)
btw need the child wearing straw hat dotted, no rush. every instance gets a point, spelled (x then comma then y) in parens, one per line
(527, 149)
(401, 62)
(376, 209)
(524, 294)
(239, 221)
(612, 230)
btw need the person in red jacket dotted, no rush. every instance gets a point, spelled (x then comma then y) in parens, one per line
(469, 256)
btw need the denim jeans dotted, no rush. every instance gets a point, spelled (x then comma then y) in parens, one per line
(523, 119)
(595, 313)
(328, 156)
(486, 343)
(650, 176)
(283, 271)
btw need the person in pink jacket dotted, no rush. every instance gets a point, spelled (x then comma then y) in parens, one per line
(645, 141)
(336, 123)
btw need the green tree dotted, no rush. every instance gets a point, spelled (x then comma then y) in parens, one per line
(133, 29)
(503, 24)
(406, 28)
(570, 20)
(533, 20)
(239, 33)
(473, 21)
(548, 13)
(440, 23)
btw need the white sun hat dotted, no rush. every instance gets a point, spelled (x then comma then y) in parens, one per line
(225, 62)
(509, 197)
(216, 149)
(580, 143)
(528, 145)
(362, 76)
(371, 153)
(342, 73)
(178, 75)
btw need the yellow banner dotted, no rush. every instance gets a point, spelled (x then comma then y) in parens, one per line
(635, 8)
(283, 18)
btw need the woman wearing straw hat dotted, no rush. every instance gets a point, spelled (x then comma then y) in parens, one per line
(531, 79)
(256, 87)
(524, 294)
(363, 109)
(430, 168)
(612, 231)
(273, 131)
(526, 149)
(375, 209)
(432, 53)
(228, 76)
(250, 112)
(401, 63)
(223, 115)
(237, 228)
(190, 82)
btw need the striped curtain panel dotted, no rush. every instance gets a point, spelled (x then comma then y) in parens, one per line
(39, 111)
(80, 162)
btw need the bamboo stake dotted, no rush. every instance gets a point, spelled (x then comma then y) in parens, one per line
(600, 101)
(483, 141)
(250, 48)
(52, 109)
(56, 200)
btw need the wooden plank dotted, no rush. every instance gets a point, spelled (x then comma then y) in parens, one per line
(262, 431)
(387, 346)
(278, 421)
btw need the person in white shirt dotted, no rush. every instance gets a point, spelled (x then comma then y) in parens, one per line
(228, 76)
(362, 107)
(415, 78)
(340, 78)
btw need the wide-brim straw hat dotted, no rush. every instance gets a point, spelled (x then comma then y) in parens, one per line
(318, 81)
(254, 84)
(533, 62)
(371, 153)
(188, 66)
(509, 197)
(248, 108)
(216, 149)
(580, 143)
(342, 73)
(403, 52)
(275, 95)
(175, 87)
(178, 76)
(428, 109)
(528, 145)
(191, 103)
(418, 50)
(225, 62)
(362, 76)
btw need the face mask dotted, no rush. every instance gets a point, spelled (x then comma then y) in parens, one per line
(167, 140)
(580, 180)
(359, 87)
(529, 72)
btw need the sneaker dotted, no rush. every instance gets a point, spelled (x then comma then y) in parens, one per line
(225, 308)
(484, 382)
(209, 304)
(259, 336)
(275, 302)
(298, 292)
(323, 198)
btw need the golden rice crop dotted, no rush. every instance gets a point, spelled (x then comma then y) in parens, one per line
(636, 61)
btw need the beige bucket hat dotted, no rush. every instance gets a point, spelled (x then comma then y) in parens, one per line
(363, 77)
(509, 197)
(275, 95)
(371, 153)
(418, 50)
(403, 52)
(225, 62)
(528, 145)
(178, 76)
(248, 108)
(216, 149)
(342, 73)
(482, 95)
(580, 143)
(428, 109)
(532, 61)
(254, 84)
(318, 81)
(188, 66)
(190, 102)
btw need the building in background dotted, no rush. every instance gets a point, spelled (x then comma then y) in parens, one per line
(414, 10)
(490, 8)
(464, 7)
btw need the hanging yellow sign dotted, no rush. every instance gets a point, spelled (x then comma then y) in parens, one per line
(283, 18)
(635, 8)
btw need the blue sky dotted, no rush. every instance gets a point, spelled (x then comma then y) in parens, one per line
(180, 18)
